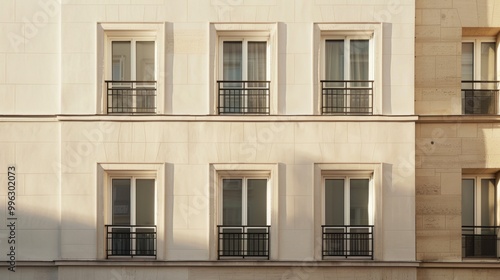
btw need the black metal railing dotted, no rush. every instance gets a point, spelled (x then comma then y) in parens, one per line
(346, 97)
(347, 241)
(243, 97)
(131, 97)
(243, 241)
(130, 241)
(480, 241)
(480, 97)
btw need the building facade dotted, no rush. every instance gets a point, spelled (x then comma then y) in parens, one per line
(248, 139)
(456, 163)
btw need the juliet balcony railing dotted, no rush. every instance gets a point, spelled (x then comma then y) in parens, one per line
(346, 97)
(131, 97)
(480, 97)
(347, 241)
(480, 241)
(243, 242)
(243, 97)
(130, 241)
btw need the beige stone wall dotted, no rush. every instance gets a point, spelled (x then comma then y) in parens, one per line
(438, 36)
(457, 274)
(443, 151)
(444, 147)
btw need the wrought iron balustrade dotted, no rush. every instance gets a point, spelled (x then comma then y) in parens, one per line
(130, 240)
(346, 97)
(131, 97)
(480, 97)
(243, 241)
(347, 241)
(243, 97)
(480, 241)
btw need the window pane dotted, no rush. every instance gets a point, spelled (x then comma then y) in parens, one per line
(334, 202)
(121, 61)
(231, 201)
(232, 61)
(257, 202)
(359, 60)
(334, 60)
(257, 61)
(121, 201)
(145, 61)
(145, 202)
(359, 202)
(467, 61)
(468, 202)
(487, 202)
(488, 61)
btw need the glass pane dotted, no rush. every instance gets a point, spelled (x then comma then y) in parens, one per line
(257, 61)
(334, 202)
(334, 60)
(232, 61)
(468, 202)
(359, 61)
(257, 202)
(145, 61)
(487, 202)
(121, 62)
(467, 62)
(120, 201)
(145, 202)
(231, 201)
(487, 61)
(359, 202)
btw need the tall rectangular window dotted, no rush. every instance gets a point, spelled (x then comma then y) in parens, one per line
(347, 86)
(348, 221)
(132, 231)
(132, 88)
(244, 231)
(479, 83)
(244, 69)
(479, 226)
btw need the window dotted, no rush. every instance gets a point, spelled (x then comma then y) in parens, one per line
(130, 58)
(243, 85)
(348, 221)
(347, 87)
(132, 231)
(479, 208)
(479, 83)
(244, 226)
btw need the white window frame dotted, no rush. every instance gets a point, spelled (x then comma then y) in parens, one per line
(108, 171)
(244, 212)
(244, 31)
(349, 31)
(133, 190)
(244, 39)
(477, 54)
(373, 171)
(347, 46)
(477, 196)
(257, 170)
(109, 32)
(347, 177)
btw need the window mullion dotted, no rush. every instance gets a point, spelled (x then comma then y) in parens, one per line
(244, 56)
(133, 201)
(347, 72)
